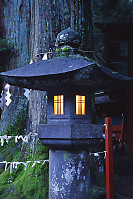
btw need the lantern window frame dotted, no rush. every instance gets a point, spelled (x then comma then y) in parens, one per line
(80, 105)
(58, 104)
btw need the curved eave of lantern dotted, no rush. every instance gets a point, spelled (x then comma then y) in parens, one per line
(63, 71)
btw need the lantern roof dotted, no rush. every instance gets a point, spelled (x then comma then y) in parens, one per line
(55, 66)
(73, 69)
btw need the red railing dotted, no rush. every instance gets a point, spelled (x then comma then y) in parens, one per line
(117, 130)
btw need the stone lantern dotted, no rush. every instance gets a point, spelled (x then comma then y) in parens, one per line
(69, 81)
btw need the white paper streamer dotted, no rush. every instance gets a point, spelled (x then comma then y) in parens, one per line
(97, 154)
(14, 165)
(1, 100)
(8, 95)
(2, 140)
(11, 164)
(8, 138)
(17, 137)
(35, 163)
(6, 164)
(27, 93)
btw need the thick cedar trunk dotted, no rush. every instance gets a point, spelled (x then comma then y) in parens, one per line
(1, 18)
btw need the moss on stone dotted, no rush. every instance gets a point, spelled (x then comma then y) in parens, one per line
(30, 183)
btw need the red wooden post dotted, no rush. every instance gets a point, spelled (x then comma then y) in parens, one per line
(109, 159)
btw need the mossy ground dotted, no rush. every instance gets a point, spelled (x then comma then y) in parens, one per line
(30, 183)
(21, 183)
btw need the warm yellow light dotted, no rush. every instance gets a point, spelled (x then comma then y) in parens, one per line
(80, 105)
(55, 105)
(62, 104)
(58, 104)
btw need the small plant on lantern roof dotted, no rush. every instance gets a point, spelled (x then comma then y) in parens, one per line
(63, 51)
(66, 49)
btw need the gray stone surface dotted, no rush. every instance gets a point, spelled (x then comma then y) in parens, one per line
(69, 174)
(76, 70)
(70, 136)
(78, 131)
(55, 66)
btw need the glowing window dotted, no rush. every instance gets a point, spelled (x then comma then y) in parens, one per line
(58, 104)
(80, 105)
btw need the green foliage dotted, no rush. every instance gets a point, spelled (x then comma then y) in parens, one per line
(66, 49)
(63, 52)
(18, 126)
(10, 151)
(6, 46)
(26, 184)
(7, 49)
(30, 183)
(58, 50)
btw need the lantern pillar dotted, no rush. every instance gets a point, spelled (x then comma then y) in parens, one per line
(69, 174)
